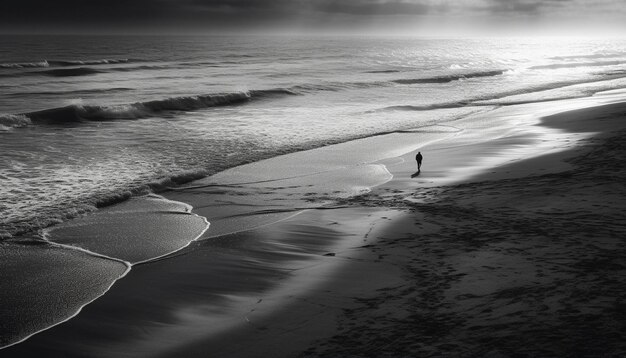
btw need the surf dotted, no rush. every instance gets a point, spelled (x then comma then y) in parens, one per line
(78, 113)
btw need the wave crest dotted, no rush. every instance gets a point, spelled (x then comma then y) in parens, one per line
(87, 62)
(64, 63)
(25, 64)
(449, 78)
(76, 113)
(339, 86)
(444, 105)
(383, 71)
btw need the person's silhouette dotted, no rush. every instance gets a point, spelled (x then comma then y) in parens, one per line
(418, 159)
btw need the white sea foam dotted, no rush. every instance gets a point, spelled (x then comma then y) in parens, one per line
(8, 121)
(25, 64)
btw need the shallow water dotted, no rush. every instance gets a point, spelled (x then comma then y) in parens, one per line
(45, 284)
(138, 230)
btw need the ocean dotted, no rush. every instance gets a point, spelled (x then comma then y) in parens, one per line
(86, 121)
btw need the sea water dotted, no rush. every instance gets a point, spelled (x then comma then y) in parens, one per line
(86, 121)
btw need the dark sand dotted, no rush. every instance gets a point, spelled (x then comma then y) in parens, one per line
(525, 259)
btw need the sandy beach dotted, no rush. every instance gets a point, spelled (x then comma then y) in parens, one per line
(509, 243)
(524, 266)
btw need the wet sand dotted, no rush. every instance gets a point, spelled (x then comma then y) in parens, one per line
(493, 250)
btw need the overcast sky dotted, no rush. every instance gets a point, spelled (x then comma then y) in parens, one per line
(419, 17)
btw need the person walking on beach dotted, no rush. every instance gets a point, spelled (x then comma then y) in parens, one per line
(418, 159)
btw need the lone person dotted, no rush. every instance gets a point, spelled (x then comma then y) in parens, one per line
(418, 159)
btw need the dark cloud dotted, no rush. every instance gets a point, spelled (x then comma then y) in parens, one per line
(372, 7)
(218, 5)
(79, 12)
(355, 7)
(526, 7)
(103, 15)
(188, 13)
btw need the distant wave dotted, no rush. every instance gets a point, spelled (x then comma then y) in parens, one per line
(70, 72)
(496, 99)
(338, 86)
(273, 92)
(595, 55)
(577, 64)
(145, 109)
(141, 67)
(444, 105)
(57, 71)
(383, 71)
(616, 73)
(73, 92)
(80, 71)
(449, 78)
(65, 63)
(25, 64)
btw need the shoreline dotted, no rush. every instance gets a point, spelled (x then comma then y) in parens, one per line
(389, 192)
(24, 230)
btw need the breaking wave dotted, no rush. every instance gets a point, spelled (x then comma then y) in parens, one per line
(8, 121)
(25, 64)
(145, 109)
(81, 206)
(73, 92)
